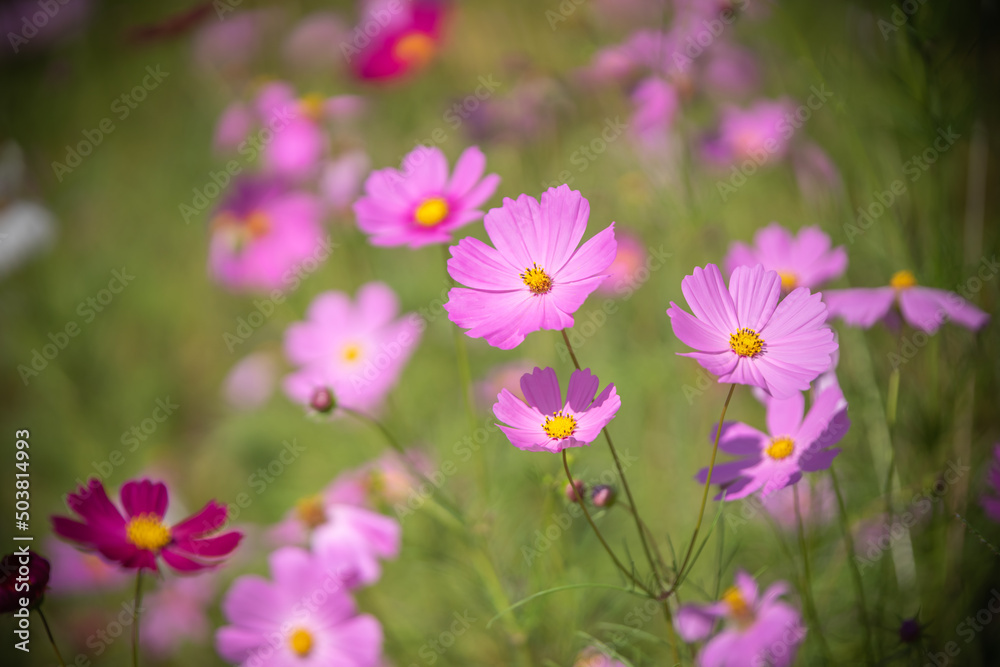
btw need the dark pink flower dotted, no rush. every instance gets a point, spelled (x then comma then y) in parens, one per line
(407, 34)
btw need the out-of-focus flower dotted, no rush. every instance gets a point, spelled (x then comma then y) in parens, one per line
(761, 133)
(815, 173)
(29, 27)
(549, 424)
(656, 104)
(388, 480)
(75, 571)
(407, 35)
(536, 277)
(804, 260)
(176, 612)
(817, 504)
(357, 350)
(745, 336)
(625, 270)
(340, 179)
(526, 114)
(138, 539)
(575, 491)
(592, 657)
(229, 47)
(991, 501)
(23, 576)
(910, 631)
(759, 629)
(505, 376)
(314, 43)
(795, 445)
(603, 495)
(924, 308)
(250, 382)
(421, 204)
(284, 622)
(263, 234)
(730, 70)
(344, 536)
(26, 227)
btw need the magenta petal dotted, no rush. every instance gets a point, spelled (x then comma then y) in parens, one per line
(593, 258)
(859, 307)
(739, 438)
(479, 266)
(695, 333)
(181, 563)
(209, 547)
(513, 411)
(209, 519)
(541, 390)
(694, 623)
(582, 387)
(709, 300)
(144, 497)
(927, 309)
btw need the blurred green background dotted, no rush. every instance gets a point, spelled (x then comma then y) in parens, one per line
(163, 335)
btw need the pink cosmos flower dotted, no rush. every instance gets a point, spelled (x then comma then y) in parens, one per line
(731, 70)
(250, 383)
(262, 234)
(340, 180)
(794, 445)
(176, 612)
(301, 617)
(403, 44)
(816, 174)
(501, 377)
(656, 104)
(314, 42)
(136, 540)
(745, 336)
(991, 502)
(761, 133)
(758, 630)
(924, 308)
(356, 350)
(817, 504)
(549, 424)
(630, 260)
(420, 204)
(535, 278)
(805, 260)
(344, 534)
(74, 571)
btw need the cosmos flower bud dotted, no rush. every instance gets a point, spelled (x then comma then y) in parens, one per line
(910, 631)
(322, 401)
(603, 495)
(22, 568)
(574, 496)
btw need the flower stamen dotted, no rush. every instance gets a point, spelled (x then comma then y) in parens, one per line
(780, 448)
(559, 425)
(301, 642)
(537, 280)
(788, 280)
(147, 531)
(310, 511)
(903, 280)
(745, 342)
(431, 212)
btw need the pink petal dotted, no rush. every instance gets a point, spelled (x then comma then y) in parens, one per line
(755, 294)
(799, 310)
(468, 170)
(784, 415)
(927, 308)
(582, 387)
(513, 411)
(541, 390)
(593, 258)
(477, 265)
(209, 519)
(696, 333)
(560, 226)
(144, 497)
(859, 307)
(181, 563)
(709, 300)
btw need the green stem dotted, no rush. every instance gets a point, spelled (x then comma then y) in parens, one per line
(48, 631)
(621, 475)
(137, 609)
(859, 587)
(807, 577)
(708, 484)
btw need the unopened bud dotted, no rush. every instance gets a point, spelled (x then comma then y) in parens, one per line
(909, 631)
(575, 496)
(322, 401)
(603, 495)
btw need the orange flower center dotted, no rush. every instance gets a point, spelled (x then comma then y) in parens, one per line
(745, 342)
(312, 105)
(301, 642)
(147, 531)
(431, 212)
(788, 280)
(310, 511)
(537, 280)
(903, 280)
(416, 48)
(738, 606)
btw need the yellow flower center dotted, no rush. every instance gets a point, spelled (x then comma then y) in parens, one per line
(310, 511)
(301, 642)
(312, 105)
(788, 280)
(903, 280)
(351, 352)
(737, 603)
(537, 280)
(559, 425)
(780, 448)
(745, 342)
(257, 224)
(431, 212)
(416, 48)
(146, 531)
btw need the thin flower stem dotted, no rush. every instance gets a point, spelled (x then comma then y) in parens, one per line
(621, 475)
(807, 577)
(859, 587)
(708, 484)
(671, 632)
(136, 610)
(600, 537)
(652, 540)
(48, 631)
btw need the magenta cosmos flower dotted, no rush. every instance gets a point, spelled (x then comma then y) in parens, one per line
(136, 540)
(301, 618)
(924, 308)
(745, 336)
(804, 260)
(263, 235)
(535, 278)
(795, 444)
(759, 629)
(407, 34)
(549, 424)
(760, 133)
(420, 204)
(991, 502)
(355, 350)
